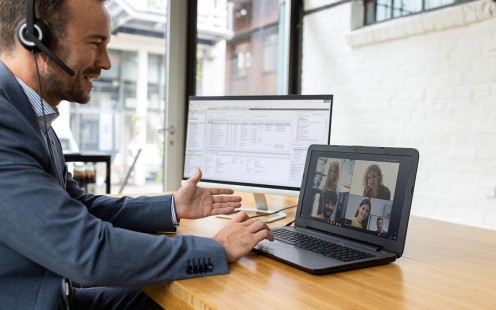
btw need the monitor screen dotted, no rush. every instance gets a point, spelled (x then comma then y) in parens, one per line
(255, 143)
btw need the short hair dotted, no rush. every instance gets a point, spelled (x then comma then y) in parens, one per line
(331, 196)
(380, 219)
(54, 13)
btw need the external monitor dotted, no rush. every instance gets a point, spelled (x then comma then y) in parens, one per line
(255, 143)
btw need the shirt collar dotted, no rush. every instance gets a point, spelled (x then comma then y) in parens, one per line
(49, 115)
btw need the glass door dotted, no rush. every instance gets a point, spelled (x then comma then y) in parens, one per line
(127, 107)
(242, 47)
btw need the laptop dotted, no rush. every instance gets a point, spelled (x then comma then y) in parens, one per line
(352, 212)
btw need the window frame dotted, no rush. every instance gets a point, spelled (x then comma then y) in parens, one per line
(294, 56)
(372, 19)
(175, 155)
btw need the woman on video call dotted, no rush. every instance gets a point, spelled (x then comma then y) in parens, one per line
(372, 184)
(361, 217)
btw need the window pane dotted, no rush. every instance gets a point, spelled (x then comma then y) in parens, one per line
(432, 4)
(383, 10)
(239, 47)
(406, 7)
(127, 105)
(270, 50)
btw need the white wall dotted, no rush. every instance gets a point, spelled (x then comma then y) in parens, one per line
(426, 81)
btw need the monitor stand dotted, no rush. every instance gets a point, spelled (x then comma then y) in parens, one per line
(261, 209)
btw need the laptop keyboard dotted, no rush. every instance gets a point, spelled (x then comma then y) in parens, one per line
(319, 246)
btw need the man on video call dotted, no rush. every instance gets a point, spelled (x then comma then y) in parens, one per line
(52, 234)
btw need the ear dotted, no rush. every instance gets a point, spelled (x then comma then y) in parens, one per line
(42, 36)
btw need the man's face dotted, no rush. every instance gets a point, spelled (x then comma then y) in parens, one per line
(328, 209)
(83, 49)
(379, 224)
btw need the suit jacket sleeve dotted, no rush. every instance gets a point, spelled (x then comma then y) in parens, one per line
(145, 214)
(87, 239)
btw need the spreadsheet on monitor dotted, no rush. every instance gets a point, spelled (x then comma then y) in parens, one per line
(255, 140)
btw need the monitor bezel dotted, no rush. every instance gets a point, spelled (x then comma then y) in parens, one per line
(251, 187)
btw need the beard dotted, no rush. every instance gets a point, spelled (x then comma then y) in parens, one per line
(59, 84)
(328, 212)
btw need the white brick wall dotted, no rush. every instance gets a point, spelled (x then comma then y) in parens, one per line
(426, 81)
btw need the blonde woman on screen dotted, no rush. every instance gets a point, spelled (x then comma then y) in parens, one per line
(331, 182)
(372, 183)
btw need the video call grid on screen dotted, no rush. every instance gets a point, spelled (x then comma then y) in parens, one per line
(255, 140)
(336, 197)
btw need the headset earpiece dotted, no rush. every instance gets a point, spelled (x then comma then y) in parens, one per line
(41, 32)
(36, 36)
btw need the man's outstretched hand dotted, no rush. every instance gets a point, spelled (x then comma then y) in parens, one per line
(192, 201)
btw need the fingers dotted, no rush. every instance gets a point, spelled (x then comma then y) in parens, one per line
(224, 199)
(255, 224)
(241, 234)
(224, 204)
(221, 191)
(225, 208)
(196, 177)
(257, 228)
(240, 217)
(263, 234)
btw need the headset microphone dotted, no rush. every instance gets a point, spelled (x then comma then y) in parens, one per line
(35, 36)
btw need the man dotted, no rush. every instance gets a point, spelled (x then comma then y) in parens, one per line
(380, 226)
(330, 199)
(50, 229)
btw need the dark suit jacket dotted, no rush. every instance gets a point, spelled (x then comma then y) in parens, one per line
(50, 229)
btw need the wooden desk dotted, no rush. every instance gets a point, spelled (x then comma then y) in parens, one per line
(444, 266)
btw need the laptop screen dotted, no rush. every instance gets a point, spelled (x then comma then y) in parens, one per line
(357, 191)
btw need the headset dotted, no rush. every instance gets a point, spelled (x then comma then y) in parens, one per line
(35, 36)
